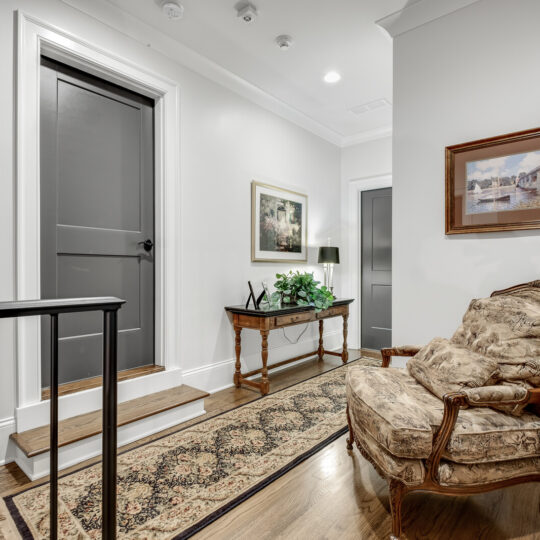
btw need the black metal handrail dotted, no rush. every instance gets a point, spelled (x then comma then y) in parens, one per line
(110, 307)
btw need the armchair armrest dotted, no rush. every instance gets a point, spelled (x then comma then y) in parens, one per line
(496, 395)
(404, 350)
(452, 404)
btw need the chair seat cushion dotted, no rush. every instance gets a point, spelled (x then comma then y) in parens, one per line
(393, 408)
(402, 416)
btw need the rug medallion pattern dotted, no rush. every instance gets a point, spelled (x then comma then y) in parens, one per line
(173, 486)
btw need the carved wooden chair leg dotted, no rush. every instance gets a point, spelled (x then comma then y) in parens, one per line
(350, 440)
(397, 492)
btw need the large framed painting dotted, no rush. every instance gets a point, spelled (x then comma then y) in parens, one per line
(278, 224)
(494, 184)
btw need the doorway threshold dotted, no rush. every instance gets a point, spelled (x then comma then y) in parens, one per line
(96, 382)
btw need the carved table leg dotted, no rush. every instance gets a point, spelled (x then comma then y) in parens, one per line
(397, 493)
(238, 348)
(265, 385)
(320, 350)
(345, 353)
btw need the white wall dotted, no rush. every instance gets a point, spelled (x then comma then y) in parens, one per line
(226, 141)
(469, 75)
(360, 164)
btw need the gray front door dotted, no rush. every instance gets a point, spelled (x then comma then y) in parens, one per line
(376, 287)
(97, 207)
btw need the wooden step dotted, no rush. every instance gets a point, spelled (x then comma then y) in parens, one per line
(36, 441)
(96, 382)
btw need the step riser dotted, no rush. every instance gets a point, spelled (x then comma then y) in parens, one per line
(38, 466)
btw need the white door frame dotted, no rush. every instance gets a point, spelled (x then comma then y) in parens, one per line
(34, 38)
(356, 187)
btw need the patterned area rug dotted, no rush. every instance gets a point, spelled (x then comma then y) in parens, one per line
(174, 486)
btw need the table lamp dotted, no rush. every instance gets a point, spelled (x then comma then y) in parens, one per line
(328, 256)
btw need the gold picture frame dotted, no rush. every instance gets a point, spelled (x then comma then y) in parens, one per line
(283, 216)
(493, 184)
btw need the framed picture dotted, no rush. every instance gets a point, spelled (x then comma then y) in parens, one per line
(278, 224)
(494, 184)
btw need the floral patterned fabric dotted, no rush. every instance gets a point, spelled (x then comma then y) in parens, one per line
(442, 367)
(393, 408)
(454, 474)
(402, 416)
(410, 471)
(507, 329)
(498, 343)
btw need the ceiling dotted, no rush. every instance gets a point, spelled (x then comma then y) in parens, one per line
(338, 35)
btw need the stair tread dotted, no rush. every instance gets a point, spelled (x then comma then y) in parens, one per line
(37, 441)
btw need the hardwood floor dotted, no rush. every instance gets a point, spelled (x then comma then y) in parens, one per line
(337, 495)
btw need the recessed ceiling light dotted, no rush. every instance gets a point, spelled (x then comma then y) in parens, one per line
(332, 77)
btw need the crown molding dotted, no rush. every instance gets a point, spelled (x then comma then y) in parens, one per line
(419, 13)
(365, 136)
(138, 30)
(115, 18)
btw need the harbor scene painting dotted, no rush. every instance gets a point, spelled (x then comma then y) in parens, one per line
(503, 183)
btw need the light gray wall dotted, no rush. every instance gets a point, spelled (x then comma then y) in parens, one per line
(226, 141)
(469, 75)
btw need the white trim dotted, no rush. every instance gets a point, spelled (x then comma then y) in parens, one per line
(419, 13)
(218, 376)
(77, 452)
(34, 37)
(364, 136)
(7, 427)
(37, 414)
(115, 18)
(356, 186)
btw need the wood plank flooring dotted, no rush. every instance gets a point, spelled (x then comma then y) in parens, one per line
(335, 495)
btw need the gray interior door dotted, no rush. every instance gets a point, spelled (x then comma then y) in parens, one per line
(376, 234)
(97, 207)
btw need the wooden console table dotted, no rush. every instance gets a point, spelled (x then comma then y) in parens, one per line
(267, 320)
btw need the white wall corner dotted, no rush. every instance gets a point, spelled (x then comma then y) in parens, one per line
(421, 12)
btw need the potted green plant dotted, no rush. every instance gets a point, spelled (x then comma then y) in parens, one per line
(302, 289)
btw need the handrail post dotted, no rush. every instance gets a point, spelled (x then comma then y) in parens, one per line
(110, 332)
(53, 493)
(53, 307)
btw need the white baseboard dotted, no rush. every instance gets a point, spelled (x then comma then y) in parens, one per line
(72, 454)
(7, 427)
(215, 377)
(38, 414)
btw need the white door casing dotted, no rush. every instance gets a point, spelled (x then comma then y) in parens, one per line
(36, 37)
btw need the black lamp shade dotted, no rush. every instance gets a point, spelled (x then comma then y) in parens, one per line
(329, 254)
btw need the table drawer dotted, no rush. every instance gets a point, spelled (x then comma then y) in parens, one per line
(294, 318)
(333, 312)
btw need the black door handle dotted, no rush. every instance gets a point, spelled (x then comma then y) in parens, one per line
(147, 245)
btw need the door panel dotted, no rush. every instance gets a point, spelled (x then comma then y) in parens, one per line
(100, 186)
(97, 205)
(376, 234)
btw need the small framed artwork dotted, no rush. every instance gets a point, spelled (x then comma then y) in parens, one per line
(494, 184)
(278, 224)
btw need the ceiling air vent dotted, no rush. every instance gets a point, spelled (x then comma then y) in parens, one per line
(371, 106)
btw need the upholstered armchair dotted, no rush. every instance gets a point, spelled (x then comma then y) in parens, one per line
(462, 418)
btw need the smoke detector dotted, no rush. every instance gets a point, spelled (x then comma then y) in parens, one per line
(284, 42)
(247, 12)
(172, 9)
